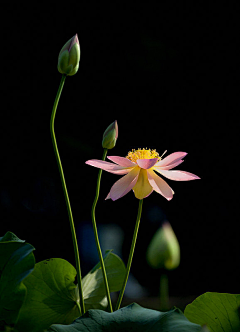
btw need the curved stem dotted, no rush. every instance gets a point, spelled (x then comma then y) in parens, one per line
(130, 254)
(74, 238)
(96, 235)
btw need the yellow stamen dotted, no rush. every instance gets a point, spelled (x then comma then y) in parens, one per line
(142, 154)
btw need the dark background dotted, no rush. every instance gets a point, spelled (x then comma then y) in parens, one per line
(169, 74)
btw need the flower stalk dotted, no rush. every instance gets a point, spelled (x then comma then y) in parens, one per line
(74, 238)
(164, 292)
(130, 254)
(96, 235)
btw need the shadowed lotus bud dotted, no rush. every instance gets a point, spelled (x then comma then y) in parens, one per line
(69, 57)
(163, 250)
(110, 136)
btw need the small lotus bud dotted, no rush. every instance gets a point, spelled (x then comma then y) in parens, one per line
(69, 57)
(110, 136)
(164, 250)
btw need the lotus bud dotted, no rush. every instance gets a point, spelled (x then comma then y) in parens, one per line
(110, 136)
(163, 250)
(69, 57)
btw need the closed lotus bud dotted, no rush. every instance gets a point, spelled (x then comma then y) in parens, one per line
(110, 136)
(163, 250)
(69, 57)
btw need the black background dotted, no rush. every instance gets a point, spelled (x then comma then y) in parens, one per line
(169, 74)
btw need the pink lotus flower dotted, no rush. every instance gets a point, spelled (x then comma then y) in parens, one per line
(140, 167)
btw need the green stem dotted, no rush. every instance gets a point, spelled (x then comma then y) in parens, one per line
(130, 254)
(74, 238)
(164, 296)
(96, 235)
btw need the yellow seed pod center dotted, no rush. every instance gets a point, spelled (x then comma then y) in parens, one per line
(134, 155)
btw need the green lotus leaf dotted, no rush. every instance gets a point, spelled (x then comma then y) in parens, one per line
(53, 296)
(132, 318)
(219, 311)
(16, 263)
(93, 284)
